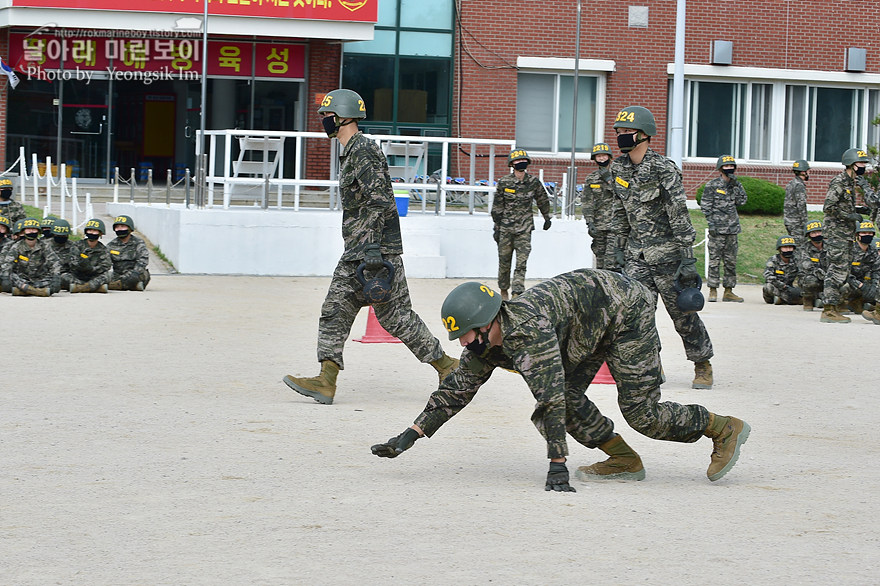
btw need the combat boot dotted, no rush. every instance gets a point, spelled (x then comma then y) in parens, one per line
(713, 294)
(115, 285)
(444, 365)
(321, 388)
(624, 464)
(702, 375)
(19, 292)
(83, 288)
(778, 301)
(830, 315)
(873, 316)
(729, 295)
(101, 289)
(728, 434)
(808, 303)
(504, 294)
(857, 306)
(39, 291)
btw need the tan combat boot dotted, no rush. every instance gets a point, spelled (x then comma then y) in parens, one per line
(444, 365)
(702, 375)
(808, 303)
(856, 306)
(713, 294)
(19, 292)
(873, 316)
(728, 434)
(39, 291)
(624, 464)
(504, 294)
(321, 388)
(830, 315)
(80, 288)
(115, 286)
(101, 289)
(729, 295)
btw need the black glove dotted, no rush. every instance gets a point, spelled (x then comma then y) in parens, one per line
(398, 445)
(55, 285)
(605, 174)
(712, 231)
(496, 234)
(619, 260)
(795, 292)
(869, 293)
(863, 210)
(557, 478)
(372, 257)
(855, 217)
(686, 270)
(547, 223)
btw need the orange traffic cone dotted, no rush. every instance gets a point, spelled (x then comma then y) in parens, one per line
(603, 377)
(375, 333)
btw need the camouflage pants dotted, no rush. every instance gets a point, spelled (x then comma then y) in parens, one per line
(659, 279)
(771, 290)
(508, 242)
(633, 356)
(839, 255)
(866, 293)
(131, 279)
(93, 281)
(603, 244)
(722, 250)
(344, 300)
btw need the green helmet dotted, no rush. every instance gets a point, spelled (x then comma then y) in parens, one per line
(637, 117)
(344, 103)
(875, 242)
(517, 155)
(47, 222)
(724, 160)
(851, 156)
(4, 221)
(5, 184)
(785, 241)
(19, 226)
(812, 226)
(95, 224)
(867, 226)
(61, 228)
(800, 166)
(601, 148)
(125, 220)
(470, 305)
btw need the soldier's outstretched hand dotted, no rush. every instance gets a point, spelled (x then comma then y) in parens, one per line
(396, 445)
(557, 478)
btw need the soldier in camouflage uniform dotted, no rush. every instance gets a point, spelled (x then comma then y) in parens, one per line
(841, 222)
(61, 244)
(813, 264)
(860, 288)
(9, 208)
(90, 262)
(130, 258)
(32, 265)
(514, 221)
(780, 273)
(659, 246)
(794, 214)
(556, 335)
(5, 241)
(603, 213)
(721, 197)
(371, 233)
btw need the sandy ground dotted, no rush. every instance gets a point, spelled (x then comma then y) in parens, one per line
(146, 438)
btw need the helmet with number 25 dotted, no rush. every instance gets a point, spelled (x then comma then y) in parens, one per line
(344, 103)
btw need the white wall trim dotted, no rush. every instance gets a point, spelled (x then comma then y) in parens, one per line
(562, 64)
(800, 75)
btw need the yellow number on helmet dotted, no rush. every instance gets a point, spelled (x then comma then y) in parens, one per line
(487, 291)
(326, 101)
(449, 324)
(361, 106)
(863, 154)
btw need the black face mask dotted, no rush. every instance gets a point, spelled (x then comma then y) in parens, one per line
(329, 123)
(787, 254)
(627, 142)
(122, 233)
(866, 239)
(47, 232)
(860, 170)
(816, 238)
(729, 172)
(604, 163)
(520, 165)
(31, 235)
(60, 239)
(6, 194)
(92, 236)
(480, 344)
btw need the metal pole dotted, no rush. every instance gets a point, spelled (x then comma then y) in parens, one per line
(168, 188)
(149, 186)
(676, 128)
(186, 179)
(131, 191)
(203, 107)
(569, 210)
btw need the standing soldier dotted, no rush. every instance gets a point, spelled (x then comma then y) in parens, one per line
(659, 246)
(514, 220)
(130, 257)
(603, 212)
(721, 197)
(371, 233)
(556, 336)
(9, 208)
(780, 273)
(860, 288)
(61, 244)
(814, 264)
(5, 241)
(31, 264)
(841, 222)
(794, 214)
(90, 262)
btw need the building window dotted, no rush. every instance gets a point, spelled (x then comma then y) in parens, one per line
(821, 122)
(874, 118)
(544, 112)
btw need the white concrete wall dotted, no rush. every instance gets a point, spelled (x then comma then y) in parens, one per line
(309, 243)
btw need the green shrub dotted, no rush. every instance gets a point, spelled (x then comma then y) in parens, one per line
(765, 198)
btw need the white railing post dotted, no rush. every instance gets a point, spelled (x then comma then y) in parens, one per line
(116, 185)
(62, 169)
(48, 185)
(74, 203)
(22, 177)
(441, 186)
(35, 173)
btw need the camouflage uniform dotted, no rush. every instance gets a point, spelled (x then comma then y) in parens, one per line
(794, 214)
(864, 275)
(90, 266)
(838, 233)
(719, 203)
(556, 335)
(814, 266)
(130, 260)
(512, 213)
(63, 251)
(779, 278)
(871, 197)
(660, 230)
(12, 210)
(31, 267)
(369, 216)
(5, 283)
(605, 218)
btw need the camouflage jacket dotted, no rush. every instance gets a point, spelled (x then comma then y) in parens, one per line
(719, 203)
(12, 210)
(549, 333)
(795, 206)
(86, 263)
(600, 206)
(656, 208)
(840, 202)
(63, 252)
(369, 212)
(128, 256)
(865, 264)
(32, 264)
(512, 204)
(813, 261)
(780, 273)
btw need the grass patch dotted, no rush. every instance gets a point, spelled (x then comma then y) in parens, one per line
(164, 258)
